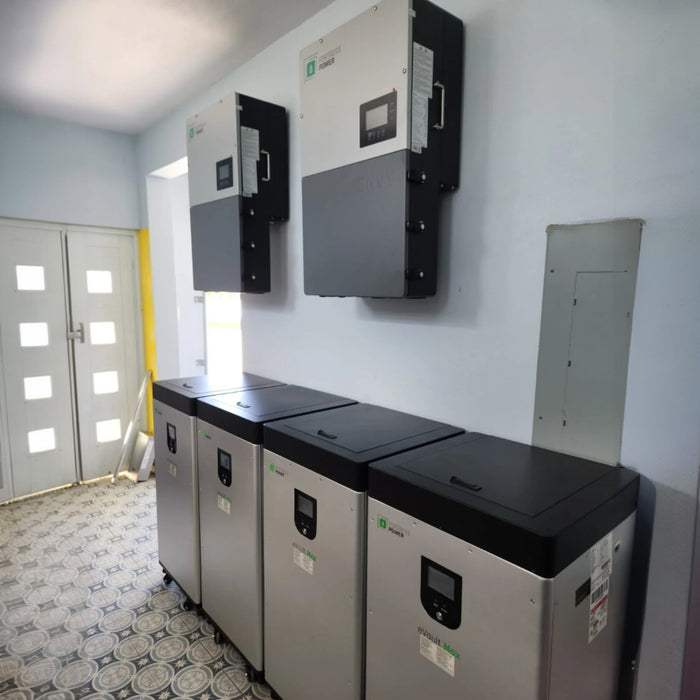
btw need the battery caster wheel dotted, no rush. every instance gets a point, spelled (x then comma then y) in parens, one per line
(252, 675)
(218, 638)
(274, 695)
(167, 578)
(188, 604)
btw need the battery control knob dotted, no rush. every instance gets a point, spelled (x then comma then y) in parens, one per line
(438, 616)
(304, 531)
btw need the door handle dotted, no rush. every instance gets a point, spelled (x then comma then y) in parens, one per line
(78, 334)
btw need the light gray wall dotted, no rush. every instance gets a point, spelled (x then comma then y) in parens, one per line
(572, 112)
(66, 173)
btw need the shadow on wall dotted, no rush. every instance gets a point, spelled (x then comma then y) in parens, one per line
(636, 601)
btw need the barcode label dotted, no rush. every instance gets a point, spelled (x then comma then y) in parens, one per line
(600, 592)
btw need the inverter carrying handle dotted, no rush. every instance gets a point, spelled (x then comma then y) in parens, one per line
(441, 124)
(267, 159)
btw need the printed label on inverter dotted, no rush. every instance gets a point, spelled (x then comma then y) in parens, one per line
(421, 91)
(250, 155)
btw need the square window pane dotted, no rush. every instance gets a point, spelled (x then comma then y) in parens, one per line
(30, 278)
(99, 282)
(42, 440)
(33, 335)
(105, 382)
(102, 333)
(108, 430)
(37, 388)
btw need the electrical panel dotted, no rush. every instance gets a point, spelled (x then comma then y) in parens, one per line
(238, 160)
(381, 103)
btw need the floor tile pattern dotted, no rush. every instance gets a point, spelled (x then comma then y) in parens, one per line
(84, 612)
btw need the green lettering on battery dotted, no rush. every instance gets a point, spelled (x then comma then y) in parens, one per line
(450, 650)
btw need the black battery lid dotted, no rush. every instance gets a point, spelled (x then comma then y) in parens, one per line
(243, 413)
(182, 394)
(341, 443)
(537, 508)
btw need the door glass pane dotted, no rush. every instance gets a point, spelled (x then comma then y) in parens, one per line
(42, 440)
(105, 382)
(102, 333)
(108, 430)
(99, 281)
(30, 278)
(37, 388)
(33, 335)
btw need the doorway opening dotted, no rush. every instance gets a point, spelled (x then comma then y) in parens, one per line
(196, 332)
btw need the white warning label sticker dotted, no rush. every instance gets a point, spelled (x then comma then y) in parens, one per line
(435, 653)
(172, 469)
(601, 569)
(223, 503)
(421, 92)
(303, 558)
(599, 609)
(601, 558)
(250, 155)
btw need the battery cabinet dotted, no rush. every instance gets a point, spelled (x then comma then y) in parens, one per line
(381, 103)
(238, 156)
(174, 425)
(496, 570)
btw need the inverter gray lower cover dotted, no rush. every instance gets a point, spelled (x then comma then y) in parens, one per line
(216, 243)
(344, 255)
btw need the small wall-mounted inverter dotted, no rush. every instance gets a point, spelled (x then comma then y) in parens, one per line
(238, 160)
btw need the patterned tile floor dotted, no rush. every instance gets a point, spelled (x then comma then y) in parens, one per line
(84, 612)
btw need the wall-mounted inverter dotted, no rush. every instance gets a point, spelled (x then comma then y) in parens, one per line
(177, 498)
(497, 570)
(381, 102)
(238, 162)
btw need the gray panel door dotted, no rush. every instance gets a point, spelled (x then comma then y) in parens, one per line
(590, 277)
(596, 377)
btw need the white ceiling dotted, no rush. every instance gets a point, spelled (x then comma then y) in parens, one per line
(124, 64)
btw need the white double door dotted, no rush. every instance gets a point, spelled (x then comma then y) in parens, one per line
(70, 352)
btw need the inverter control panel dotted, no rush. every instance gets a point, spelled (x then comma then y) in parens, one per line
(238, 161)
(381, 102)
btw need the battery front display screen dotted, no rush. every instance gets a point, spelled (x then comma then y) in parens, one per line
(377, 117)
(441, 583)
(305, 506)
(224, 460)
